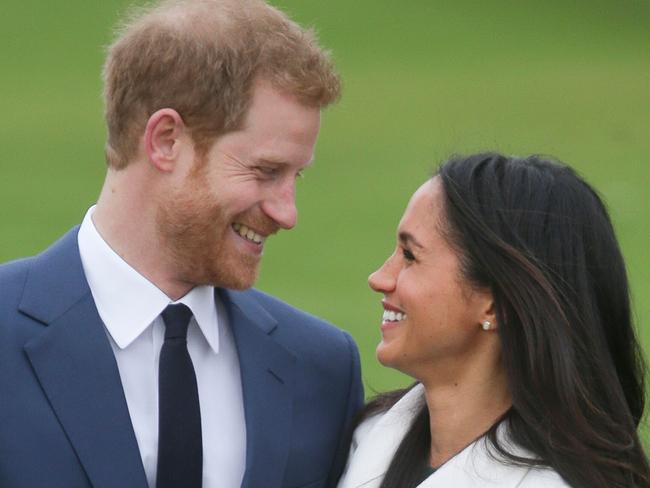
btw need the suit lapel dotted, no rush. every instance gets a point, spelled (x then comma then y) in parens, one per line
(267, 371)
(75, 366)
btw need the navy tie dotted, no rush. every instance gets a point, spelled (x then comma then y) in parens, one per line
(180, 449)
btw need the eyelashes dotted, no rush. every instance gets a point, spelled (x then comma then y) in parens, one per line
(270, 172)
(408, 255)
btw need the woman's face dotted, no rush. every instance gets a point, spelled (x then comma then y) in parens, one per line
(432, 317)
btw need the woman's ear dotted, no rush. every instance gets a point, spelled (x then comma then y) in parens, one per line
(488, 319)
(162, 138)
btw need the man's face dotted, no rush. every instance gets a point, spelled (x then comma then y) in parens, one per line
(216, 220)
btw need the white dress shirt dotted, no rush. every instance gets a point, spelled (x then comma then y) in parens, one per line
(130, 307)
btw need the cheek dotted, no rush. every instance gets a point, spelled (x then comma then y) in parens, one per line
(426, 328)
(439, 313)
(239, 199)
(423, 298)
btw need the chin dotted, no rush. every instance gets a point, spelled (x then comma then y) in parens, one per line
(223, 269)
(238, 284)
(384, 355)
(392, 357)
(239, 279)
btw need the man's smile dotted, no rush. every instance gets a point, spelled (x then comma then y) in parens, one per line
(248, 233)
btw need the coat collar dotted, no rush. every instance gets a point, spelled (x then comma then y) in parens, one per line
(55, 281)
(267, 371)
(378, 438)
(75, 366)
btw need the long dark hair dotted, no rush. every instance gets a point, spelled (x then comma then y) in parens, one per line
(539, 237)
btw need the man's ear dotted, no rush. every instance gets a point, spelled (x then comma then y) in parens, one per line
(162, 137)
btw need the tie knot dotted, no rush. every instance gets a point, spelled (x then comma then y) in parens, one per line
(177, 318)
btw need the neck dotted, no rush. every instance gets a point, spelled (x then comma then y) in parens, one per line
(125, 217)
(463, 406)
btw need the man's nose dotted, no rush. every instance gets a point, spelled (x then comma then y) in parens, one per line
(280, 206)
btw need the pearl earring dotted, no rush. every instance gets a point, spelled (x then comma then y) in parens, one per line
(487, 325)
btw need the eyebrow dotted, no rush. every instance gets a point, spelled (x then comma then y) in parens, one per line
(407, 238)
(277, 162)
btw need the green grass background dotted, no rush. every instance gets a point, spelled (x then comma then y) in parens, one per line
(423, 79)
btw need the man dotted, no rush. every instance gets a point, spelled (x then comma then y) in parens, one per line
(132, 353)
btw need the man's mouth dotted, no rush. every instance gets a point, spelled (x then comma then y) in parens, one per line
(248, 233)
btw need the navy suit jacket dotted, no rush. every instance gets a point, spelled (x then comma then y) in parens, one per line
(64, 421)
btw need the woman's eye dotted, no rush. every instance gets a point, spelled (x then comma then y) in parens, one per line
(408, 255)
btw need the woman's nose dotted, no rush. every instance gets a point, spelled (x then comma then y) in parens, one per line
(382, 280)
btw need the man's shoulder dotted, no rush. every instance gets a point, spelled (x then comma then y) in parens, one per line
(55, 264)
(280, 309)
(12, 269)
(15, 269)
(298, 326)
(13, 275)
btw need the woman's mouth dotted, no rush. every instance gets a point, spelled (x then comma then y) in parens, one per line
(392, 316)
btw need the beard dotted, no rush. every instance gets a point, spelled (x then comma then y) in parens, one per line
(195, 235)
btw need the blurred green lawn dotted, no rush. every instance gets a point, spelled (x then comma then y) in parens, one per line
(423, 79)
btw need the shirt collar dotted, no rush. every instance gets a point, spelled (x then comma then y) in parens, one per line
(128, 302)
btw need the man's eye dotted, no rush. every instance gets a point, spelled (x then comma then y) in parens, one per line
(408, 255)
(268, 171)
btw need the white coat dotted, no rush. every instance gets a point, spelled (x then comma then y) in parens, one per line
(376, 440)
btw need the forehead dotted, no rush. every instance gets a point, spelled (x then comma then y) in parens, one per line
(277, 128)
(424, 207)
(271, 107)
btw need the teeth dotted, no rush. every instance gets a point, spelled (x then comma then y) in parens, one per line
(391, 316)
(247, 233)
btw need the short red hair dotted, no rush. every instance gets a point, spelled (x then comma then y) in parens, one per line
(201, 57)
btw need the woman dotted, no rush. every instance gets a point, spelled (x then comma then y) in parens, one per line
(506, 299)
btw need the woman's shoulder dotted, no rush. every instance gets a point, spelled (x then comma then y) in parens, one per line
(364, 428)
(481, 465)
(376, 439)
(531, 476)
(543, 478)
(393, 411)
